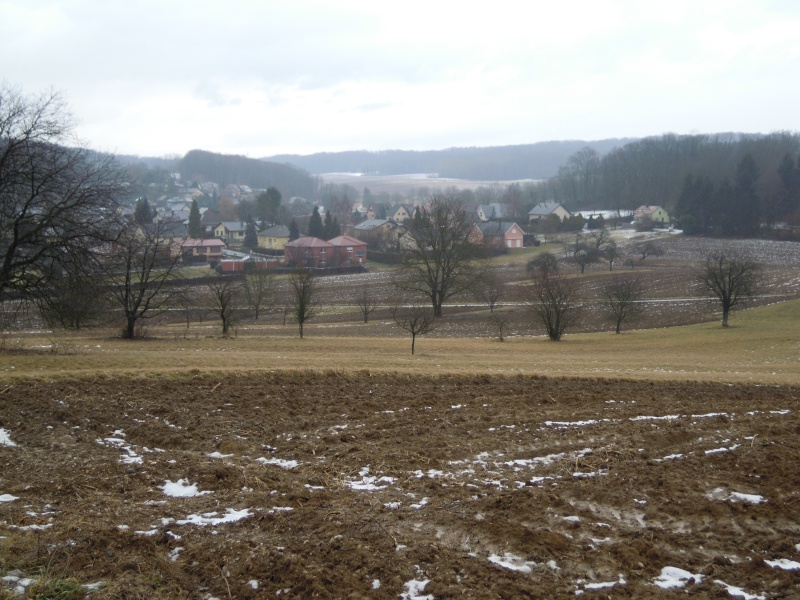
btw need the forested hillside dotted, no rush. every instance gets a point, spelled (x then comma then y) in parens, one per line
(199, 165)
(653, 170)
(498, 163)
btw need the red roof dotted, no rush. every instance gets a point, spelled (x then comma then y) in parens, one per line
(346, 240)
(306, 241)
(211, 242)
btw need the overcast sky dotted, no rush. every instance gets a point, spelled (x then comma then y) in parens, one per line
(264, 77)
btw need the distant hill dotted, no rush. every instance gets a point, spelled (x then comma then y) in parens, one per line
(259, 174)
(495, 163)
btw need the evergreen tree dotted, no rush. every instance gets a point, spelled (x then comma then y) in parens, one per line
(294, 231)
(268, 204)
(746, 206)
(250, 235)
(143, 215)
(331, 227)
(195, 227)
(315, 227)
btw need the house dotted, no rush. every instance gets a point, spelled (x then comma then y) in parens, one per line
(308, 252)
(650, 215)
(544, 209)
(377, 210)
(378, 233)
(231, 231)
(497, 235)
(198, 250)
(493, 212)
(273, 238)
(402, 213)
(348, 251)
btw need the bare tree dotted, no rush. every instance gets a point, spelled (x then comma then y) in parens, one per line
(489, 289)
(554, 303)
(611, 253)
(622, 300)
(544, 263)
(731, 278)
(258, 287)
(303, 305)
(440, 260)
(136, 267)
(224, 294)
(72, 299)
(500, 320)
(648, 248)
(584, 252)
(366, 302)
(414, 318)
(57, 199)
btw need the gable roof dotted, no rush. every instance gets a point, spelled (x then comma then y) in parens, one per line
(495, 210)
(306, 241)
(205, 243)
(495, 228)
(370, 224)
(545, 208)
(346, 240)
(278, 231)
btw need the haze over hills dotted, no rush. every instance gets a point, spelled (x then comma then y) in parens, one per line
(496, 163)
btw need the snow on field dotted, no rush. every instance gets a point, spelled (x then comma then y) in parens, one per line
(278, 462)
(5, 438)
(512, 562)
(737, 592)
(489, 468)
(675, 578)
(231, 516)
(181, 489)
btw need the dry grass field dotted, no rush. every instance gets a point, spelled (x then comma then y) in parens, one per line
(657, 462)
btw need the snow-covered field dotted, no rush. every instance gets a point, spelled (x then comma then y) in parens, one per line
(328, 485)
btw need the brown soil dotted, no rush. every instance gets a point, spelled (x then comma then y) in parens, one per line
(584, 481)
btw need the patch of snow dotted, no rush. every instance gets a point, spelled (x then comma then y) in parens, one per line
(181, 489)
(414, 589)
(5, 439)
(739, 592)
(212, 519)
(720, 494)
(278, 462)
(784, 563)
(572, 519)
(719, 450)
(673, 577)
(370, 483)
(376, 584)
(393, 505)
(512, 562)
(253, 584)
(603, 585)
(652, 418)
(219, 455)
(174, 553)
(420, 504)
(669, 457)
(7, 498)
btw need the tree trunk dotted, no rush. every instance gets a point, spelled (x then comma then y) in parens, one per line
(725, 311)
(413, 339)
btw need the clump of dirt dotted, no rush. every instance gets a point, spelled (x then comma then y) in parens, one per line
(320, 485)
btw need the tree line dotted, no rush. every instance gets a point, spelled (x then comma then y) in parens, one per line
(752, 175)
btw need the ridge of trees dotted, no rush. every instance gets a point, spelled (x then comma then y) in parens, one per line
(653, 170)
(201, 165)
(493, 163)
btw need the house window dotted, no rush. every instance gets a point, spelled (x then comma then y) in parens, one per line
(349, 248)
(322, 250)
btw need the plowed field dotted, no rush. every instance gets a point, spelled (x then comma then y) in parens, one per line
(332, 485)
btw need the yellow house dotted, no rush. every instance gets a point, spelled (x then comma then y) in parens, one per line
(273, 238)
(650, 215)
